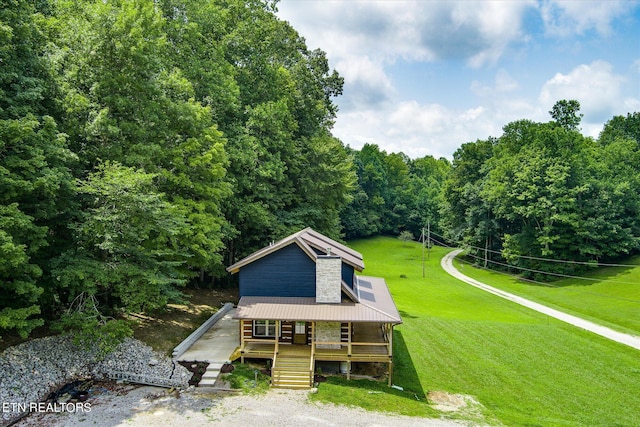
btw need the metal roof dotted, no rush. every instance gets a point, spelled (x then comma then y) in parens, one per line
(307, 240)
(376, 305)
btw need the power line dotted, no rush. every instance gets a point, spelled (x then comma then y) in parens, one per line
(588, 263)
(549, 284)
(554, 274)
(543, 272)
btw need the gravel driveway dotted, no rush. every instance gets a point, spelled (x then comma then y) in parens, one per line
(146, 406)
(631, 340)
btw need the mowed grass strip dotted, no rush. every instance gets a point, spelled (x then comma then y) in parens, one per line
(523, 367)
(611, 298)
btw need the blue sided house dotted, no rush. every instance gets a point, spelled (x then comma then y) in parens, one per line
(302, 302)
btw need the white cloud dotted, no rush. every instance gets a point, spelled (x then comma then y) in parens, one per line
(364, 41)
(361, 38)
(504, 83)
(564, 18)
(368, 83)
(415, 129)
(595, 86)
(476, 32)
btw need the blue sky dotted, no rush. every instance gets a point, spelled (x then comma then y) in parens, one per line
(424, 77)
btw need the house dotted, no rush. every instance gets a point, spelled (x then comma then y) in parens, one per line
(301, 302)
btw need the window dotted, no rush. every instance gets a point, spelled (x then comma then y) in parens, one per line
(301, 328)
(264, 328)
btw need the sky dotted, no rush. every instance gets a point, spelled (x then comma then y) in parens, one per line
(424, 77)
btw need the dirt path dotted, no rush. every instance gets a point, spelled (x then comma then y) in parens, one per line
(626, 339)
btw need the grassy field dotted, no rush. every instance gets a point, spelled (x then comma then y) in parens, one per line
(524, 368)
(612, 298)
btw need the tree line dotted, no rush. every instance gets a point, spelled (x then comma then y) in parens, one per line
(147, 144)
(544, 191)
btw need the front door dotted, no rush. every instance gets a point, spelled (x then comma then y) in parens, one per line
(300, 333)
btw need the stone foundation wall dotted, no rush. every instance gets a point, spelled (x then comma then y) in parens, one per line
(328, 331)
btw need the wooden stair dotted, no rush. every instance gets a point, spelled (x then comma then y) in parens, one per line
(291, 372)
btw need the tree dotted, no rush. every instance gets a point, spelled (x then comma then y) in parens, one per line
(35, 180)
(365, 215)
(406, 236)
(129, 254)
(427, 178)
(127, 102)
(565, 113)
(621, 127)
(466, 215)
(285, 111)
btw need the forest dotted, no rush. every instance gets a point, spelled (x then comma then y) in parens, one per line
(147, 144)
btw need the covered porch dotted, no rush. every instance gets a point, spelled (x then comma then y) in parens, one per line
(352, 342)
(357, 329)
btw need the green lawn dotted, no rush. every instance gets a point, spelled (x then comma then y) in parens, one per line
(523, 367)
(612, 299)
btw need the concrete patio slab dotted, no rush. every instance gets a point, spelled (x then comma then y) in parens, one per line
(217, 344)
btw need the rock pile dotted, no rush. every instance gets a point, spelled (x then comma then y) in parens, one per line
(32, 370)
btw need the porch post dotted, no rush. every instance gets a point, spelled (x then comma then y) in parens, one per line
(242, 343)
(390, 328)
(349, 329)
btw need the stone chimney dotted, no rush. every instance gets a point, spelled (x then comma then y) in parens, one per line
(328, 278)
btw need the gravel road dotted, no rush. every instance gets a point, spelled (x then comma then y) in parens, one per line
(151, 406)
(627, 339)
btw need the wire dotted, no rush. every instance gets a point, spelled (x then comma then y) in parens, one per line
(543, 272)
(551, 274)
(548, 284)
(593, 264)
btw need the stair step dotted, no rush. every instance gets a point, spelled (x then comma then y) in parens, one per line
(287, 384)
(298, 381)
(291, 375)
(301, 387)
(210, 374)
(291, 372)
(291, 368)
(292, 363)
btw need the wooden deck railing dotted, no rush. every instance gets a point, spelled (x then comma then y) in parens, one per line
(350, 345)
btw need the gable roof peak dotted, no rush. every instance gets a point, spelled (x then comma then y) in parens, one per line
(309, 241)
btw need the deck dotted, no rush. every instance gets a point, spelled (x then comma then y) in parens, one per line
(368, 344)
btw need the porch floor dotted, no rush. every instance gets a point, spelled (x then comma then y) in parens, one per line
(362, 333)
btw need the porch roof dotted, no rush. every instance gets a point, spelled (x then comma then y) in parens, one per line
(376, 305)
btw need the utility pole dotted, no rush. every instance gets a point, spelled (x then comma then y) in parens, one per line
(422, 237)
(486, 251)
(428, 238)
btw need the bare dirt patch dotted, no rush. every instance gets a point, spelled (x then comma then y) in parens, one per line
(166, 329)
(448, 402)
(162, 330)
